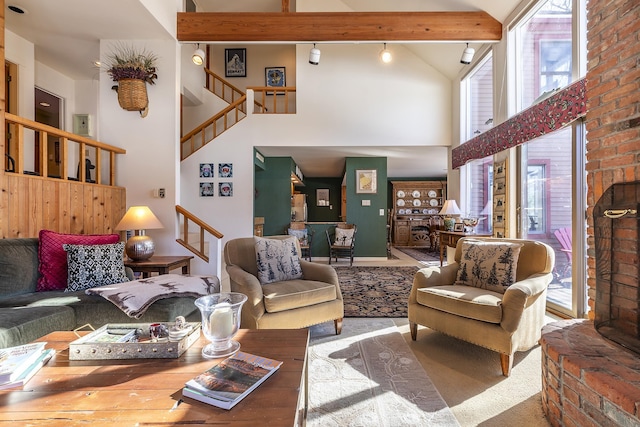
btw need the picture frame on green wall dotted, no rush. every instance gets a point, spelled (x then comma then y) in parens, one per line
(322, 197)
(366, 181)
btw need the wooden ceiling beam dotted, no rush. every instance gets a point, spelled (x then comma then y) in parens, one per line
(337, 26)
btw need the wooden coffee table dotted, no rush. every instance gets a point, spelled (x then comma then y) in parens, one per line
(149, 391)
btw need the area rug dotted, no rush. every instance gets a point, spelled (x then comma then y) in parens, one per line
(368, 376)
(425, 255)
(375, 291)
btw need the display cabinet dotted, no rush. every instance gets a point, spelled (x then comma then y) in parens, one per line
(415, 203)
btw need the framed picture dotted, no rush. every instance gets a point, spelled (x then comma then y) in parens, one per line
(500, 169)
(458, 226)
(206, 170)
(499, 202)
(225, 189)
(235, 62)
(322, 197)
(275, 77)
(225, 170)
(81, 124)
(206, 189)
(500, 186)
(366, 181)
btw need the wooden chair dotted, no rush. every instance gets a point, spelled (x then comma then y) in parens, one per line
(305, 241)
(341, 247)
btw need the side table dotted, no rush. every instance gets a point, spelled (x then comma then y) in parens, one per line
(160, 265)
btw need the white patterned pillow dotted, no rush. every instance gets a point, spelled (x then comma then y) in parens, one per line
(344, 236)
(488, 265)
(94, 265)
(277, 259)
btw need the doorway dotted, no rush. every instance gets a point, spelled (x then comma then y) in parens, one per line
(48, 111)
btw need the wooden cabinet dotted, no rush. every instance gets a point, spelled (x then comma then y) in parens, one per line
(415, 203)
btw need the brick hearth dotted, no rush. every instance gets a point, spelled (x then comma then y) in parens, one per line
(587, 380)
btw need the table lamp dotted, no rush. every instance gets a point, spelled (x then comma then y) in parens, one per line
(448, 211)
(139, 247)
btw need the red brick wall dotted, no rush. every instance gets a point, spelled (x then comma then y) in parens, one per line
(613, 103)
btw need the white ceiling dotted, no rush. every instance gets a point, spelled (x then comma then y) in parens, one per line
(66, 35)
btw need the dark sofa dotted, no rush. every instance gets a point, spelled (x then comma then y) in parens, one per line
(26, 315)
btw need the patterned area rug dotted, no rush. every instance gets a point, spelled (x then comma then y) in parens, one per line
(368, 376)
(425, 255)
(375, 291)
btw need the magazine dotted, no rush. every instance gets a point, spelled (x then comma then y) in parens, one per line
(31, 371)
(18, 359)
(231, 380)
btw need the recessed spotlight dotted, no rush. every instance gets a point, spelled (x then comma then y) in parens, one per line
(45, 104)
(16, 9)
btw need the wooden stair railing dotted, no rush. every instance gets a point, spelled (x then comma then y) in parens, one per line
(225, 90)
(210, 129)
(277, 104)
(16, 126)
(204, 227)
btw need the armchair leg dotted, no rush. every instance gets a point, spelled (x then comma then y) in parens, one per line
(506, 361)
(338, 324)
(413, 327)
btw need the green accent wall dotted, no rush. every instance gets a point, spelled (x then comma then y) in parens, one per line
(273, 194)
(371, 238)
(317, 213)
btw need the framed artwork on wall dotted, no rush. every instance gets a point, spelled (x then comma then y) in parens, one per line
(275, 77)
(458, 226)
(366, 181)
(225, 170)
(225, 189)
(322, 197)
(206, 189)
(235, 62)
(206, 170)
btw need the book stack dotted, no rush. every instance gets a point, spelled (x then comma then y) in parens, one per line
(18, 364)
(231, 380)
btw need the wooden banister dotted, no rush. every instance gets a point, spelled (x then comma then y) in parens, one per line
(271, 96)
(225, 90)
(203, 227)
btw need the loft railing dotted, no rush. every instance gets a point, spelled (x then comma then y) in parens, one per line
(280, 100)
(225, 90)
(15, 150)
(207, 131)
(185, 218)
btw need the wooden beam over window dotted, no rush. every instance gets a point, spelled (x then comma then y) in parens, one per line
(337, 26)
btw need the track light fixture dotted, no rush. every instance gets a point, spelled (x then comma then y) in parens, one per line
(467, 55)
(385, 55)
(198, 56)
(314, 55)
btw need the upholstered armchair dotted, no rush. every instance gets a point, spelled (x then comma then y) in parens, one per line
(313, 298)
(474, 300)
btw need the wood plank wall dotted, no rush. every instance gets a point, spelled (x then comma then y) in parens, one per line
(31, 203)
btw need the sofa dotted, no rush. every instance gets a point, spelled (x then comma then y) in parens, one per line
(504, 315)
(27, 314)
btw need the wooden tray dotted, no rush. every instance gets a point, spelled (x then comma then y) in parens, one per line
(94, 347)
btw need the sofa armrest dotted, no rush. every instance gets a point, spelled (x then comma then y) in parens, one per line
(521, 295)
(433, 276)
(248, 284)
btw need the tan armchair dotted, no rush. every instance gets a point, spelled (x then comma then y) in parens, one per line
(503, 322)
(298, 303)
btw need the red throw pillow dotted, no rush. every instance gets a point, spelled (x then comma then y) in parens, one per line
(53, 258)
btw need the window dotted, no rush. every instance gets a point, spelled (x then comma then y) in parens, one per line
(477, 99)
(542, 47)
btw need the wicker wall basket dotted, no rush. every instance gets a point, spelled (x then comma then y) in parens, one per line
(132, 94)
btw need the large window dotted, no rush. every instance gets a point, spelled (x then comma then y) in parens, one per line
(543, 51)
(477, 117)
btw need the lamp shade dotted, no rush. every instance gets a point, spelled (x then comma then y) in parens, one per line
(139, 218)
(467, 55)
(314, 56)
(450, 208)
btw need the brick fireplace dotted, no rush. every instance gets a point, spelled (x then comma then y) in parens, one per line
(589, 379)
